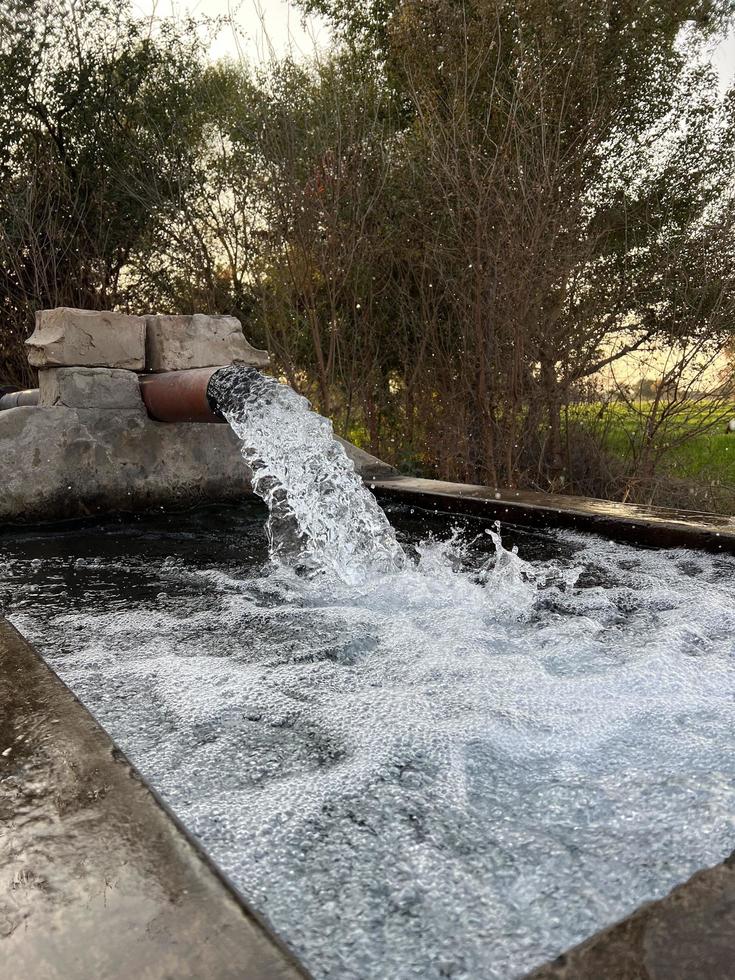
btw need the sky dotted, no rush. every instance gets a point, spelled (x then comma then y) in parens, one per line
(265, 27)
(260, 27)
(723, 58)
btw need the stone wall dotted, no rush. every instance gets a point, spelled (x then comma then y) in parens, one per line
(90, 447)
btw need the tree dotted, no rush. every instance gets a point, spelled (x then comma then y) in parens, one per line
(565, 171)
(325, 142)
(202, 252)
(100, 119)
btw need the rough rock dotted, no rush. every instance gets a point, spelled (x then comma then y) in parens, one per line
(58, 462)
(174, 343)
(84, 387)
(66, 462)
(87, 338)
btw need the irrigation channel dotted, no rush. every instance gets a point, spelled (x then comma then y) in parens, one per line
(417, 750)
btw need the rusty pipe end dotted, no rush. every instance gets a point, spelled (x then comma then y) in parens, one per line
(180, 396)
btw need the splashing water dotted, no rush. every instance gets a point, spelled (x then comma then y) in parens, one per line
(456, 770)
(321, 517)
(443, 762)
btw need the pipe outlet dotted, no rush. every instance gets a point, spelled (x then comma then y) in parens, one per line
(180, 396)
(192, 395)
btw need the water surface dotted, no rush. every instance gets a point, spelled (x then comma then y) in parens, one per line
(457, 769)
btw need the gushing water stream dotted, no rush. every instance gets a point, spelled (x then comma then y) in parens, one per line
(321, 517)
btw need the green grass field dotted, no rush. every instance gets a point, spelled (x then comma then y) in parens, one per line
(694, 443)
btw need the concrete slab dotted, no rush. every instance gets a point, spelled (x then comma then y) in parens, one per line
(369, 467)
(97, 880)
(653, 526)
(687, 935)
(85, 387)
(66, 462)
(179, 342)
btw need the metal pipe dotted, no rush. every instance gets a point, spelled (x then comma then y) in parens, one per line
(18, 399)
(189, 395)
(180, 396)
(173, 396)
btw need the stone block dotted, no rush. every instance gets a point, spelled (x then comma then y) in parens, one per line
(58, 462)
(175, 343)
(87, 338)
(84, 387)
(63, 462)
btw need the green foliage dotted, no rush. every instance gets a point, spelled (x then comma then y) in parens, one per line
(698, 453)
(365, 23)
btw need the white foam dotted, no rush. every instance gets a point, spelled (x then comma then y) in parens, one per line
(433, 773)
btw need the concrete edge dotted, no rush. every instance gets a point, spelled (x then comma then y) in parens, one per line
(687, 934)
(97, 876)
(648, 526)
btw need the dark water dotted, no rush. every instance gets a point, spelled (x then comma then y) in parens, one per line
(117, 560)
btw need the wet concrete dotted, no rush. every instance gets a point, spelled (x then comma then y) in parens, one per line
(655, 526)
(97, 880)
(689, 935)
